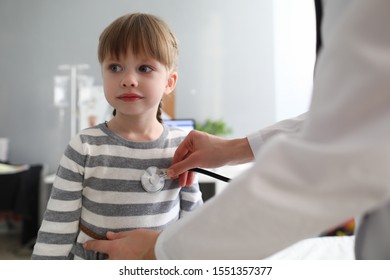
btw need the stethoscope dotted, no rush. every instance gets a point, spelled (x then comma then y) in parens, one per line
(153, 179)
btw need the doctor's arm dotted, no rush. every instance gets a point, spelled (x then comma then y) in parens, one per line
(204, 150)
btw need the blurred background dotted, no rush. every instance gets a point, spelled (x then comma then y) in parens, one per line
(245, 63)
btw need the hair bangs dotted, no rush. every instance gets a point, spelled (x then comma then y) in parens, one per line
(146, 35)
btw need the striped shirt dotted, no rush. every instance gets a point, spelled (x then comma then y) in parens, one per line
(98, 184)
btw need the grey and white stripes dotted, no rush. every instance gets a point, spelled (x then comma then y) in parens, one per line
(98, 184)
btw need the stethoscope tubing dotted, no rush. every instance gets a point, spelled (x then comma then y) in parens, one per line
(211, 174)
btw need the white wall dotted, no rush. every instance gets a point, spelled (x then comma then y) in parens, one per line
(226, 63)
(294, 29)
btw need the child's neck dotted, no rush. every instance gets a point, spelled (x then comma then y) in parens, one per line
(136, 130)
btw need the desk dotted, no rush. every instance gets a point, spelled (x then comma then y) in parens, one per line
(19, 194)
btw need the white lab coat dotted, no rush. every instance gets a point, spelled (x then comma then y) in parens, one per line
(336, 166)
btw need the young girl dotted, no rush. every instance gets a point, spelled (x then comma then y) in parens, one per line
(98, 183)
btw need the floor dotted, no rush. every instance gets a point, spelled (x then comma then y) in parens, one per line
(10, 245)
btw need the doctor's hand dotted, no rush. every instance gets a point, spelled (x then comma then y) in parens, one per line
(203, 150)
(127, 245)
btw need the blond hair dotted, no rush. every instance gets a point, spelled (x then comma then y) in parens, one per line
(145, 34)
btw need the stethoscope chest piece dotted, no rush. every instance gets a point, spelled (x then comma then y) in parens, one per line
(153, 179)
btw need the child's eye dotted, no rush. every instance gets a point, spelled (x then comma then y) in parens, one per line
(115, 68)
(145, 68)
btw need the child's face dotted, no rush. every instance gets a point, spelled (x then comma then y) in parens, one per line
(134, 86)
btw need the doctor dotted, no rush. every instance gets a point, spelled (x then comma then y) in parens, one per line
(330, 167)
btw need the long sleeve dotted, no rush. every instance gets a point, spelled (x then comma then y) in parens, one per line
(258, 139)
(60, 223)
(190, 199)
(334, 168)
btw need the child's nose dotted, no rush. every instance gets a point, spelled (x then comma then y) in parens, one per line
(129, 80)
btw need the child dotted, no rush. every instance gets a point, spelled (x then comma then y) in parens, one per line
(98, 182)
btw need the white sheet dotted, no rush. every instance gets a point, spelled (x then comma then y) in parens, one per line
(320, 248)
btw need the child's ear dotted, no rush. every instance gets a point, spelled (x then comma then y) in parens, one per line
(171, 83)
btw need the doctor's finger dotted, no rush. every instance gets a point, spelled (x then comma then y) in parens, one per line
(183, 179)
(186, 147)
(190, 178)
(180, 168)
(186, 179)
(181, 153)
(102, 246)
(117, 235)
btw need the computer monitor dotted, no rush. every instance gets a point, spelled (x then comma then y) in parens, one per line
(184, 124)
